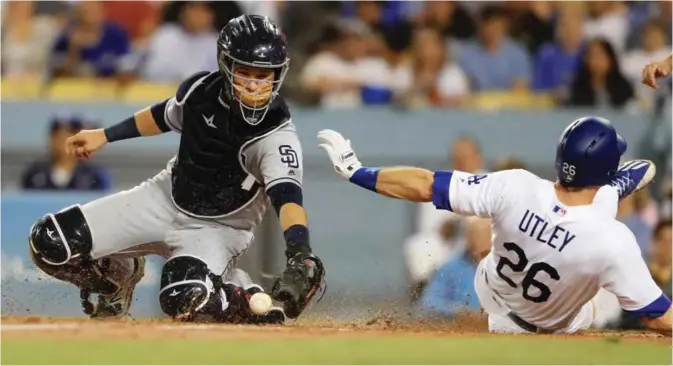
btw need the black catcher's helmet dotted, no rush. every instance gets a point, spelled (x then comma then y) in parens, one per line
(254, 41)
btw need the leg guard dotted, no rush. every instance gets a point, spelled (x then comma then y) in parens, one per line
(191, 292)
(56, 239)
(60, 245)
(187, 286)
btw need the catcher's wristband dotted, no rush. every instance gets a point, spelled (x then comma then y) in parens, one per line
(297, 239)
(123, 130)
(366, 178)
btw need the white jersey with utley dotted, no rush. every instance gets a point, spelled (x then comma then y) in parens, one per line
(548, 260)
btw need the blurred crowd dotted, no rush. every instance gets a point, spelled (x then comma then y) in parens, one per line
(443, 253)
(347, 54)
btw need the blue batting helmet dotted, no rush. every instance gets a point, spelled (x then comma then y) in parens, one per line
(588, 153)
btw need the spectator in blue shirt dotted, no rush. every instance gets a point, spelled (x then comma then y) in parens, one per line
(556, 63)
(62, 171)
(90, 46)
(495, 62)
(451, 290)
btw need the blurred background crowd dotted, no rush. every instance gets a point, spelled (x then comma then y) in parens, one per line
(346, 55)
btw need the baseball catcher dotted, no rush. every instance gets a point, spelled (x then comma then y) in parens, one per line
(239, 154)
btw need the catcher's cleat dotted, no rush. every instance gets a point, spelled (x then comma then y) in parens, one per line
(117, 305)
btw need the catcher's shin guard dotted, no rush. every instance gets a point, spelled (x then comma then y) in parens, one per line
(60, 245)
(58, 239)
(185, 286)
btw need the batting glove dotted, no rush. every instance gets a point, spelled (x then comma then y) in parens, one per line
(340, 152)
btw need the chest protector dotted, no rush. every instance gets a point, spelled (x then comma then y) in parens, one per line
(209, 178)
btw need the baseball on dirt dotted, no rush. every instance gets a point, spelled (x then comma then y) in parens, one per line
(260, 303)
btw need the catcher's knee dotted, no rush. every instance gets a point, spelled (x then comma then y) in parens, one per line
(60, 245)
(185, 286)
(56, 239)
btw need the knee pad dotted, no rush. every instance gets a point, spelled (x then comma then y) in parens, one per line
(186, 286)
(55, 239)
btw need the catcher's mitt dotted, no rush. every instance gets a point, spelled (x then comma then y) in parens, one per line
(300, 281)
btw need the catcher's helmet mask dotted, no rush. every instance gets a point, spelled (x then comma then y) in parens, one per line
(253, 41)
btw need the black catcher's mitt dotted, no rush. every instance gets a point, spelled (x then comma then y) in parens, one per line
(303, 277)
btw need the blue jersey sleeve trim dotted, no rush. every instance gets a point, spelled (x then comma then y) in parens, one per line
(366, 178)
(655, 309)
(440, 190)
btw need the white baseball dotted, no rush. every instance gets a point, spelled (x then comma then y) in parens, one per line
(260, 303)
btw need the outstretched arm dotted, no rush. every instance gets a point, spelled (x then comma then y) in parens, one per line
(460, 192)
(278, 159)
(287, 199)
(142, 123)
(153, 120)
(156, 119)
(407, 183)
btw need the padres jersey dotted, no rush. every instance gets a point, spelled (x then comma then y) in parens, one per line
(248, 165)
(547, 259)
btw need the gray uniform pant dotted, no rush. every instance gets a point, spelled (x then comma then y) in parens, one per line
(144, 220)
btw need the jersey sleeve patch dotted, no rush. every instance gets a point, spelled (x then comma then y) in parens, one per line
(277, 158)
(440, 190)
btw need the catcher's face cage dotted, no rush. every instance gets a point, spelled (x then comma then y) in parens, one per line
(252, 114)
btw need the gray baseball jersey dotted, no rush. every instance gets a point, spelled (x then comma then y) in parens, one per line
(273, 158)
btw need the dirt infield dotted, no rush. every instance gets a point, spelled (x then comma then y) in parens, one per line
(18, 327)
(378, 340)
(162, 329)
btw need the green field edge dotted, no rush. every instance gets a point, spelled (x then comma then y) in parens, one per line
(329, 350)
